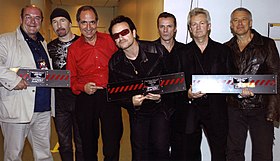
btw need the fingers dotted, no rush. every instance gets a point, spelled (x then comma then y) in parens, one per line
(246, 93)
(21, 85)
(152, 96)
(25, 84)
(137, 100)
(195, 95)
(91, 88)
(96, 87)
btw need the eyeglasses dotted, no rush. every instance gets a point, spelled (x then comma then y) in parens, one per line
(123, 33)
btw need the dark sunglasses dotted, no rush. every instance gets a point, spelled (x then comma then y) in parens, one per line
(123, 33)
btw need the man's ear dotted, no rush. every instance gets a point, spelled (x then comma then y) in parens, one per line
(134, 33)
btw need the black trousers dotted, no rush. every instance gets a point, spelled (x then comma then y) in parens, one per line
(92, 111)
(186, 147)
(260, 130)
(149, 136)
(66, 125)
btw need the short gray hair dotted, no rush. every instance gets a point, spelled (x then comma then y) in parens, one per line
(241, 9)
(197, 11)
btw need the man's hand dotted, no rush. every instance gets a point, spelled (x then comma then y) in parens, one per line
(137, 100)
(154, 97)
(21, 85)
(90, 88)
(246, 93)
(194, 95)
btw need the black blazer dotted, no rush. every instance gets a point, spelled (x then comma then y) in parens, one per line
(216, 59)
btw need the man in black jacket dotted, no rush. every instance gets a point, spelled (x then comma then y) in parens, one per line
(199, 110)
(253, 54)
(167, 28)
(65, 116)
(136, 60)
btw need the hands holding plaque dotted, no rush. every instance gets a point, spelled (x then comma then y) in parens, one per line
(21, 85)
(192, 95)
(137, 100)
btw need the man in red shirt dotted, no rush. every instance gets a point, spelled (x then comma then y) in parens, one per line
(88, 63)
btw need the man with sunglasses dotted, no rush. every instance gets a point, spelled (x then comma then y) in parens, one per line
(148, 116)
(87, 60)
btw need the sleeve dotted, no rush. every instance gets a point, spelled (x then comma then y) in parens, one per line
(9, 79)
(72, 67)
(231, 67)
(272, 63)
(127, 103)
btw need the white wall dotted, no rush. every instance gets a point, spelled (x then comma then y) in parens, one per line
(263, 12)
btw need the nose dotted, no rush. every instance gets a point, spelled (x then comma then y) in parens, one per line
(120, 37)
(88, 26)
(32, 19)
(239, 22)
(58, 25)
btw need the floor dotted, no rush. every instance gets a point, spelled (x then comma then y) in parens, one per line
(125, 153)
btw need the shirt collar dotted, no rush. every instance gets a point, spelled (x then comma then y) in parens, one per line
(26, 37)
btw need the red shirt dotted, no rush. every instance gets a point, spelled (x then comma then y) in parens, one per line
(88, 63)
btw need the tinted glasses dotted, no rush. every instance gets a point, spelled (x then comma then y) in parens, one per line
(123, 33)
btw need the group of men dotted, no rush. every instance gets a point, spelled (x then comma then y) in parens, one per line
(162, 126)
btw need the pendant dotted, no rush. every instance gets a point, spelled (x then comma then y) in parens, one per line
(136, 72)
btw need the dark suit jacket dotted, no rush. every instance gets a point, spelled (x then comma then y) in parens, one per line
(216, 59)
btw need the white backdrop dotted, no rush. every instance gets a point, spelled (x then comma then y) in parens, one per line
(263, 12)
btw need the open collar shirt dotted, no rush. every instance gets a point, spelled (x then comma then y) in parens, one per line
(89, 63)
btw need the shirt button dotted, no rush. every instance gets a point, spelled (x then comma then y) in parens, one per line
(96, 57)
(98, 67)
(33, 90)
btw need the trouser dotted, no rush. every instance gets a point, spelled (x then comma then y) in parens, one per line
(149, 136)
(37, 133)
(186, 147)
(260, 130)
(67, 127)
(91, 109)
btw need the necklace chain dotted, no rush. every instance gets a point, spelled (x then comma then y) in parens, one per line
(135, 71)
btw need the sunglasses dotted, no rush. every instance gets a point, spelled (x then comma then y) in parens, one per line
(123, 33)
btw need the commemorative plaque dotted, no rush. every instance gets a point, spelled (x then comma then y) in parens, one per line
(157, 85)
(44, 78)
(258, 84)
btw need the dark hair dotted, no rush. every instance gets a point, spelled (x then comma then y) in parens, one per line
(30, 6)
(85, 8)
(120, 19)
(166, 15)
